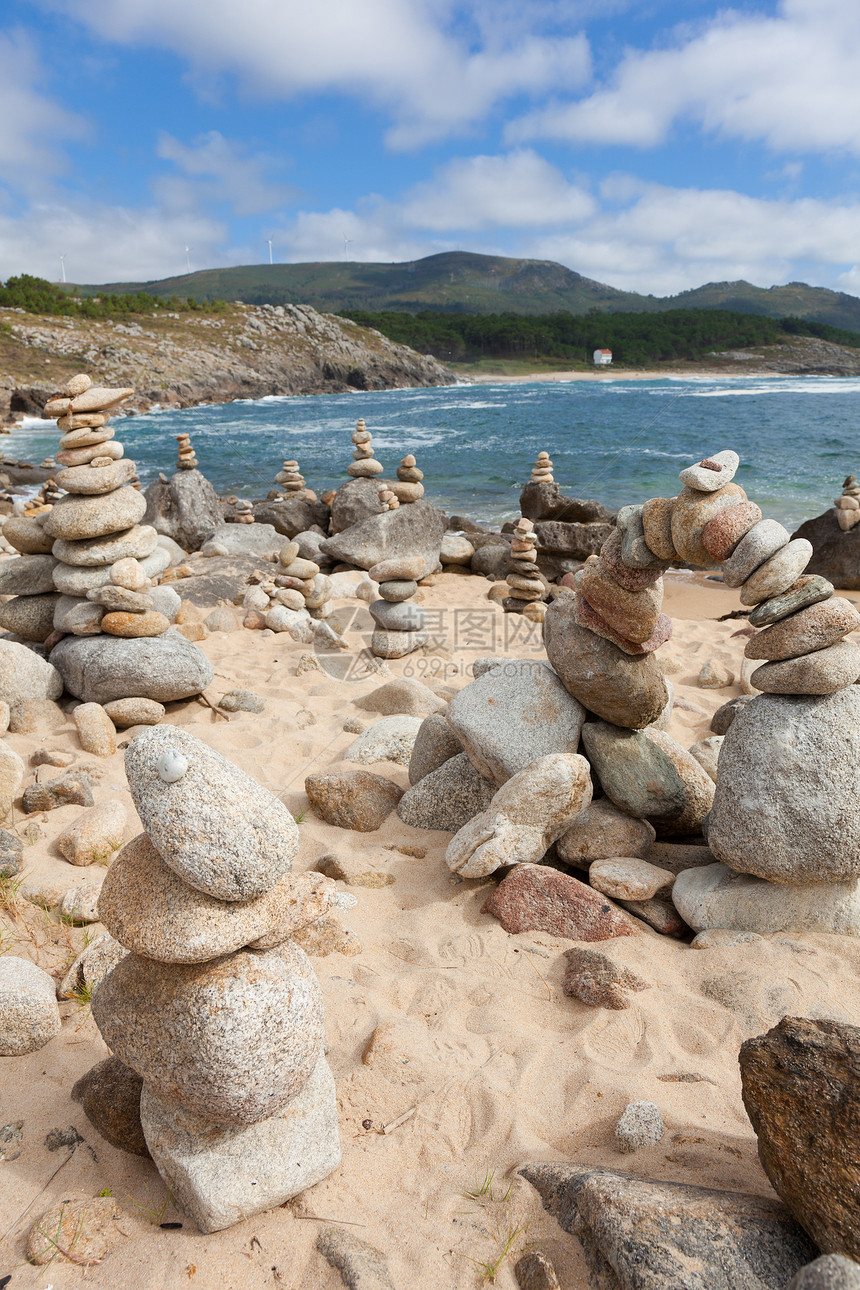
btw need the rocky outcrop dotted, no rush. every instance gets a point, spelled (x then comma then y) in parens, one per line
(835, 555)
(184, 507)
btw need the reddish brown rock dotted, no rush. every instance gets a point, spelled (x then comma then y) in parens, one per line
(801, 1090)
(633, 614)
(691, 514)
(721, 535)
(149, 623)
(594, 979)
(657, 524)
(590, 618)
(534, 898)
(629, 579)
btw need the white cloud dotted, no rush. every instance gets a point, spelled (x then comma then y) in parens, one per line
(394, 54)
(789, 81)
(215, 169)
(32, 124)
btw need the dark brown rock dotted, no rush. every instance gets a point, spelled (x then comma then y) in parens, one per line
(71, 789)
(801, 1090)
(534, 898)
(110, 1096)
(594, 979)
(547, 502)
(835, 555)
(352, 799)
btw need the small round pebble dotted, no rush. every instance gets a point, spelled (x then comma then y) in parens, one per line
(242, 701)
(641, 1125)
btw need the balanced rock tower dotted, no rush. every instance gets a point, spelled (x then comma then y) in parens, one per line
(526, 589)
(408, 487)
(400, 627)
(542, 470)
(291, 482)
(364, 465)
(848, 505)
(186, 459)
(214, 1008)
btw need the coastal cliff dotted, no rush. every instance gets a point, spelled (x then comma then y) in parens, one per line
(183, 359)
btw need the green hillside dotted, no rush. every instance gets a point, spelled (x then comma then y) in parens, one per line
(462, 282)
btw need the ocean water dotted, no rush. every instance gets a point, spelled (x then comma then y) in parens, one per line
(616, 440)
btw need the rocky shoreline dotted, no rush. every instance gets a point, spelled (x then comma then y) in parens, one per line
(183, 359)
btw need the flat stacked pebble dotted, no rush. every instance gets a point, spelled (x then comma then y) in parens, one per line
(526, 590)
(243, 513)
(542, 470)
(364, 465)
(291, 481)
(400, 627)
(408, 487)
(298, 586)
(848, 504)
(214, 1007)
(90, 527)
(187, 459)
(388, 499)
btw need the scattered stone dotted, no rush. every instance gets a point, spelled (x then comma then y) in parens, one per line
(600, 832)
(352, 799)
(29, 1016)
(659, 913)
(11, 850)
(801, 1091)
(71, 789)
(91, 967)
(446, 798)
(96, 731)
(94, 835)
(353, 726)
(110, 1095)
(215, 826)
(706, 753)
(622, 689)
(724, 716)
(390, 739)
(11, 1141)
(434, 744)
(308, 663)
(79, 905)
(355, 870)
(794, 818)
(75, 1231)
(526, 816)
(628, 878)
(134, 712)
(594, 979)
(164, 668)
(24, 675)
(52, 757)
(830, 1272)
(715, 896)
(36, 715)
(644, 1235)
(403, 695)
(534, 898)
(714, 675)
(641, 1125)
(169, 1023)
(242, 701)
(361, 1266)
(534, 1271)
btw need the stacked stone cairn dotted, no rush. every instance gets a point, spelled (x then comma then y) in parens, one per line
(408, 487)
(243, 513)
(187, 459)
(299, 588)
(214, 1016)
(291, 481)
(364, 465)
(89, 544)
(526, 589)
(400, 626)
(542, 470)
(388, 500)
(848, 505)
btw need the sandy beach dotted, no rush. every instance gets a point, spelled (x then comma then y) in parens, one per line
(441, 1027)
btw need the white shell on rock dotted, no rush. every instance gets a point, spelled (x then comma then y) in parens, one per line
(172, 766)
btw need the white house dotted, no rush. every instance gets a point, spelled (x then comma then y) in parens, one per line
(602, 357)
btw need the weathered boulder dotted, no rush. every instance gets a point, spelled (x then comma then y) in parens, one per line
(184, 507)
(715, 896)
(562, 546)
(416, 529)
(243, 539)
(292, 515)
(446, 797)
(25, 675)
(835, 555)
(356, 500)
(545, 501)
(165, 668)
(801, 1090)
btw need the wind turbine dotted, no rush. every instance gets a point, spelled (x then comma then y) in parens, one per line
(187, 261)
(269, 240)
(63, 268)
(347, 243)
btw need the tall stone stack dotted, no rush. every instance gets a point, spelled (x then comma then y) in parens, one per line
(215, 1014)
(526, 589)
(848, 505)
(364, 465)
(408, 487)
(401, 627)
(186, 459)
(542, 470)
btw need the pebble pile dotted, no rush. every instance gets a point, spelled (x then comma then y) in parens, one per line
(542, 470)
(526, 589)
(292, 481)
(187, 459)
(848, 505)
(364, 465)
(409, 487)
(299, 588)
(214, 1007)
(388, 500)
(243, 512)
(400, 626)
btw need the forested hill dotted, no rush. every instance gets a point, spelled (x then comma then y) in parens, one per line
(463, 282)
(635, 339)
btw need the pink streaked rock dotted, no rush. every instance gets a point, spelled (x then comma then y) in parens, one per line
(590, 618)
(535, 898)
(629, 579)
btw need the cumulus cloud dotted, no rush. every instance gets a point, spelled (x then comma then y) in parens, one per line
(399, 55)
(789, 81)
(32, 124)
(215, 169)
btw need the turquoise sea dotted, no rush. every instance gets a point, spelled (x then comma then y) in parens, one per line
(617, 440)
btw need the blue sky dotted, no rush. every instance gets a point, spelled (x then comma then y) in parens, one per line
(653, 146)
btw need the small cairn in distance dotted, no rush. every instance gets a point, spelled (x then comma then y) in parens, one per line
(526, 590)
(400, 627)
(364, 465)
(542, 470)
(409, 487)
(244, 513)
(848, 505)
(291, 481)
(388, 500)
(187, 459)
